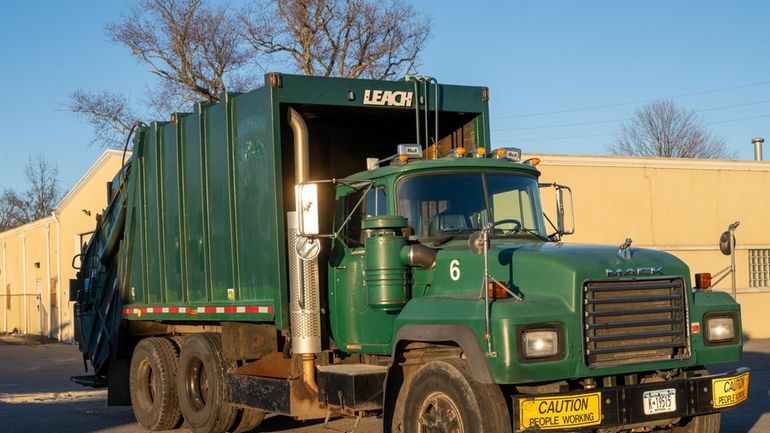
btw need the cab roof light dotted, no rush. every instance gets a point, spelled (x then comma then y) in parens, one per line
(532, 161)
(459, 152)
(411, 151)
(510, 153)
(481, 152)
(404, 153)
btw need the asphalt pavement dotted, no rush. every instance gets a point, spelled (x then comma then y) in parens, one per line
(36, 395)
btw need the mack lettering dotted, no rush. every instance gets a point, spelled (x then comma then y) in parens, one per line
(634, 272)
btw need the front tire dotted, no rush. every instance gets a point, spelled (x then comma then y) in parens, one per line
(443, 397)
(202, 387)
(152, 378)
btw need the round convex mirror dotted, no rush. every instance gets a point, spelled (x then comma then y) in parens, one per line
(724, 243)
(308, 248)
(476, 243)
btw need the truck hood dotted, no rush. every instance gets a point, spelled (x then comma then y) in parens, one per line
(548, 269)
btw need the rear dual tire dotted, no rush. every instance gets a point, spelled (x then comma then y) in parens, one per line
(152, 384)
(202, 389)
(185, 376)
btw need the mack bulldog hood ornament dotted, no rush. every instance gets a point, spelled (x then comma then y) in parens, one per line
(624, 251)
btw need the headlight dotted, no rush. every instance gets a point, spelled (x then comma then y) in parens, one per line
(540, 343)
(720, 328)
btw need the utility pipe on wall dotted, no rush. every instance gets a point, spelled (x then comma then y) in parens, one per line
(47, 298)
(24, 282)
(59, 301)
(4, 288)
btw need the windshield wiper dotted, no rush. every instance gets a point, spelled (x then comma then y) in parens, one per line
(526, 230)
(454, 234)
(534, 233)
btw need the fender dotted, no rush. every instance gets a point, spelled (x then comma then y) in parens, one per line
(461, 335)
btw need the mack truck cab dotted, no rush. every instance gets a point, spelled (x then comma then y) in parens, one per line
(491, 323)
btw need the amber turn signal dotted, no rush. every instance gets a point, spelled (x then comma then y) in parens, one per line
(497, 290)
(703, 281)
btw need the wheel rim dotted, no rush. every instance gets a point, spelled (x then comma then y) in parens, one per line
(197, 384)
(439, 414)
(146, 383)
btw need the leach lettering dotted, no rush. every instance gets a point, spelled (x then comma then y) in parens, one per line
(388, 97)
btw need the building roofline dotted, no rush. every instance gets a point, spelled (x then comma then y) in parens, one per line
(649, 162)
(106, 156)
(42, 222)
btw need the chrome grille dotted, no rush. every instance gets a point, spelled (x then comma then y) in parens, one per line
(629, 322)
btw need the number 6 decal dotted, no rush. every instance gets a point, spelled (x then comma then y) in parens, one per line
(454, 269)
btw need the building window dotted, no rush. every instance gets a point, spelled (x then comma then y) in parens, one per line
(80, 242)
(759, 268)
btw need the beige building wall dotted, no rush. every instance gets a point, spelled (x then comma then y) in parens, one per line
(677, 205)
(36, 261)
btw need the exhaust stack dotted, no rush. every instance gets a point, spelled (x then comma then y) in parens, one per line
(758, 148)
(304, 291)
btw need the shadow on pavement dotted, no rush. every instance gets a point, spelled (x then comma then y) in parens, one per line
(748, 417)
(77, 416)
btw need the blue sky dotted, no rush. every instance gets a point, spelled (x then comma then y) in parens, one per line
(560, 58)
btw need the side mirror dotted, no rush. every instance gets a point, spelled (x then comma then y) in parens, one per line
(563, 206)
(725, 244)
(727, 239)
(307, 209)
(560, 211)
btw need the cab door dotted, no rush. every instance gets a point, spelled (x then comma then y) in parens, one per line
(355, 326)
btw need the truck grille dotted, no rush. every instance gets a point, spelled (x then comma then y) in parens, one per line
(629, 322)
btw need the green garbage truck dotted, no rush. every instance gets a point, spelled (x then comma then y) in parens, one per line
(324, 247)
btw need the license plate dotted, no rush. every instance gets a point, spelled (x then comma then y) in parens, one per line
(548, 413)
(731, 391)
(659, 401)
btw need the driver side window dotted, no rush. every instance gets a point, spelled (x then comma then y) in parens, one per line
(375, 203)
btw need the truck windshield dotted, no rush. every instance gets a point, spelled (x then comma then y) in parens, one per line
(437, 205)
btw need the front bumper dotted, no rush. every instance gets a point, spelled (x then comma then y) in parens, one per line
(645, 404)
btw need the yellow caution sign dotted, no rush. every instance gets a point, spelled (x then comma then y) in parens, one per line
(549, 413)
(730, 391)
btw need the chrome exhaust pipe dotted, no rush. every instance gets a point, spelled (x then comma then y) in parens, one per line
(304, 284)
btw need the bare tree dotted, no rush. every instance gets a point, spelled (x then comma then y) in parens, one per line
(662, 128)
(345, 38)
(108, 113)
(11, 214)
(192, 46)
(197, 49)
(37, 201)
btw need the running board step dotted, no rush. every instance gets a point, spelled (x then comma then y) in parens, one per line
(352, 387)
